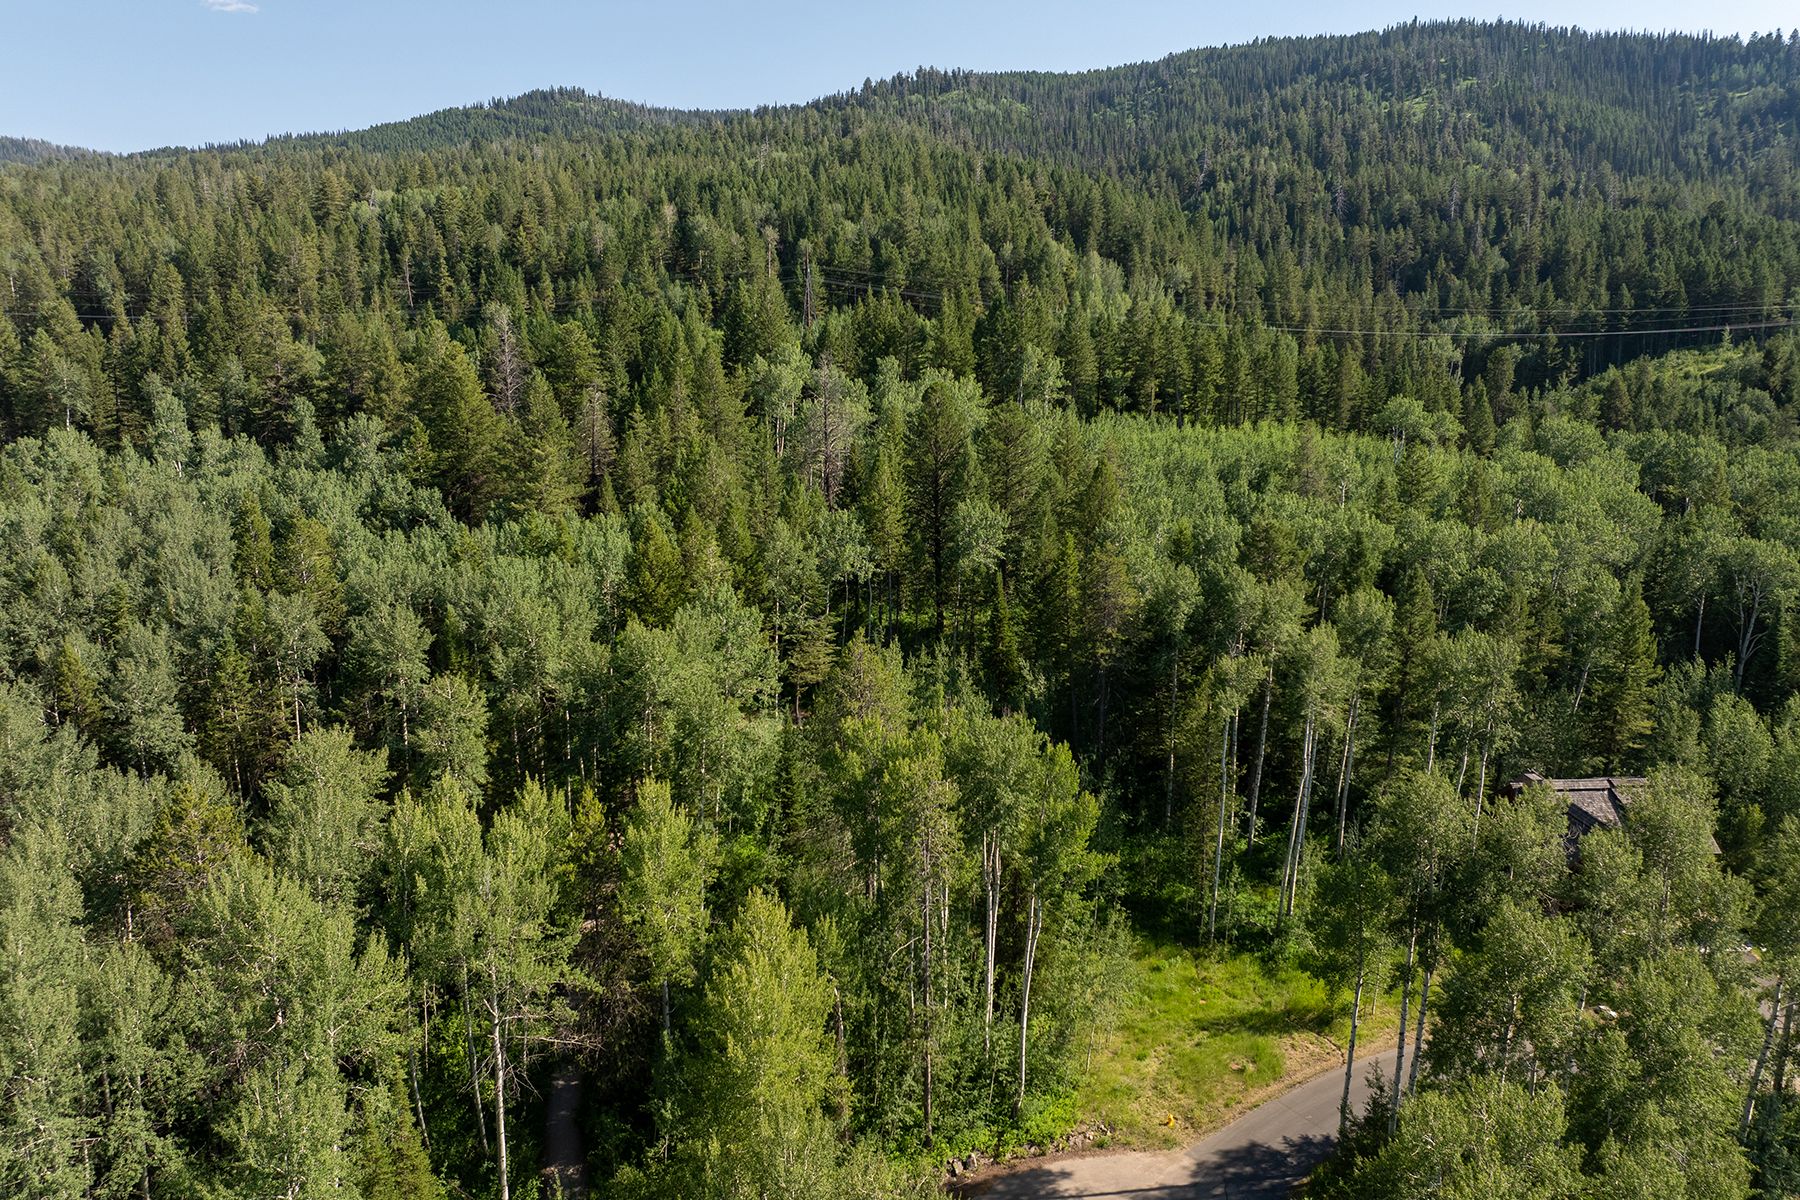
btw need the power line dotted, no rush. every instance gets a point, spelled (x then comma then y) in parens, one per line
(837, 279)
(1542, 334)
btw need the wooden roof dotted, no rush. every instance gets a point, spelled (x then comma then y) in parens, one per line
(1595, 802)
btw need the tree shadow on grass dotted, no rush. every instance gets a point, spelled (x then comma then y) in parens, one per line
(1274, 1022)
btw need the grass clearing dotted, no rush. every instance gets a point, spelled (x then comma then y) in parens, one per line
(1204, 1037)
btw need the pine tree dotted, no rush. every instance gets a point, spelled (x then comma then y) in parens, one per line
(655, 583)
(939, 464)
(1622, 688)
(543, 473)
(1478, 419)
(1002, 662)
(463, 430)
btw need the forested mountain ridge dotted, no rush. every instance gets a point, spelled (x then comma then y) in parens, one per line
(752, 610)
(1635, 104)
(32, 150)
(544, 113)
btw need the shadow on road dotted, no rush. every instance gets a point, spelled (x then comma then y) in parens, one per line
(1256, 1171)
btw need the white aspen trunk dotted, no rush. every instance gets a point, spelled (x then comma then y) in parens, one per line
(837, 1012)
(1747, 640)
(412, 1057)
(499, 1085)
(1297, 828)
(1034, 924)
(1236, 729)
(1431, 740)
(1412, 942)
(1262, 745)
(474, 1071)
(1212, 904)
(1306, 791)
(924, 990)
(1350, 1055)
(1481, 782)
(1762, 1056)
(990, 869)
(1506, 1039)
(1349, 760)
(1412, 1073)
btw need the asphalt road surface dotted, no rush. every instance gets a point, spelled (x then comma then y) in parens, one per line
(1260, 1156)
(565, 1166)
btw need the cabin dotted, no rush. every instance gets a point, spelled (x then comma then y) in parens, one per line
(1594, 803)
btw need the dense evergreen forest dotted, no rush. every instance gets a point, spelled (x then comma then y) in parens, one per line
(746, 616)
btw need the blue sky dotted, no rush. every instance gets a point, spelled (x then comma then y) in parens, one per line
(132, 74)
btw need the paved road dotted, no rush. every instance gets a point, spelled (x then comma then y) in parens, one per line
(1260, 1156)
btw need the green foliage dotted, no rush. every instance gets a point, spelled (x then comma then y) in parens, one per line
(325, 814)
(1485, 1137)
(935, 495)
(763, 1069)
(664, 865)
